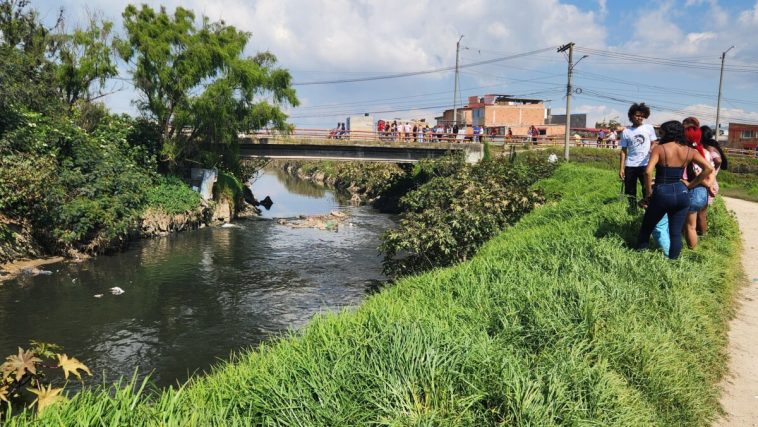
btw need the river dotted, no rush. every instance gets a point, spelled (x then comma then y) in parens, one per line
(192, 298)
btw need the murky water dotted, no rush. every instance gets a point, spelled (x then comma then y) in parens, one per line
(192, 298)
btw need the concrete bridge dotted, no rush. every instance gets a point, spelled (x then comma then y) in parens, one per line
(364, 148)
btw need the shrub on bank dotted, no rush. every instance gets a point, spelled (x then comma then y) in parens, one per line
(554, 322)
(367, 179)
(228, 187)
(449, 217)
(173, 196)
(79, 190)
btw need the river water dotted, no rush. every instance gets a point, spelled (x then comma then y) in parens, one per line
(192, 298)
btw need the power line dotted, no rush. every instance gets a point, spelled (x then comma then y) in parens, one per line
(682, 62)
(662, 107)
(417, 73)
(398, 108)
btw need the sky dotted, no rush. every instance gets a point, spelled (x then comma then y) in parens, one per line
(664, 53)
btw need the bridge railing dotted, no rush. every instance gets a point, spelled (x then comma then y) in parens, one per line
(388, 137)
(359, 136)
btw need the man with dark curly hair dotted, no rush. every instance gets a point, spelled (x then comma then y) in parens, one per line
(636, 143)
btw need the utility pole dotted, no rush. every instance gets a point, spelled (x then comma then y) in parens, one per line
(455, 85)
(570, 48)
(718, 102)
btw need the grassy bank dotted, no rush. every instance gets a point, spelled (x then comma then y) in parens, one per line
(554, 322)
(740, 181)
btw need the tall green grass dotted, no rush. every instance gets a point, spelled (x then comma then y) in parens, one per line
(555, 322)
(740, 181)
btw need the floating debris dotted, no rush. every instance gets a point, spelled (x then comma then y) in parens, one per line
(117, 291)
(98, 295)
(34, 271)
(329, 222)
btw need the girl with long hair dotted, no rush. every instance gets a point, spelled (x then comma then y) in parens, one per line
(670, 194)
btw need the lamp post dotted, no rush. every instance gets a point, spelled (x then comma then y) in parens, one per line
(455, 84)
(570, 48)
(718, 101)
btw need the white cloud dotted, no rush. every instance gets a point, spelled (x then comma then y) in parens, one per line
(599, 113)
(328, 39)
(603, 6)
(749, 17)
(390, 35)
(707, 115)
(695, 38)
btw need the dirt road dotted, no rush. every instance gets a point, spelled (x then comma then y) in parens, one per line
(740, 396)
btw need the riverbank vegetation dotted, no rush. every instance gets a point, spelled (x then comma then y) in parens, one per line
(557, 321)
(448, 209)
(77, 178)
(364, 181)
(452, 214)
(740, 181)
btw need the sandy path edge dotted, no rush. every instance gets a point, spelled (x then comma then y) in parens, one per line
(740, 387)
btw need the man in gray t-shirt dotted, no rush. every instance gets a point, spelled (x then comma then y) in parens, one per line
(636, 144)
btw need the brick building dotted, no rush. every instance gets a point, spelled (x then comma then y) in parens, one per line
(743, 136)
(501, 112)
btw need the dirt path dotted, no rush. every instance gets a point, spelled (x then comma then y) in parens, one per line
(740, 395)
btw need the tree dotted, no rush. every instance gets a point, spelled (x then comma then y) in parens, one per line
(196, 85)
(27, 74)
(86, 56)
(609, 124)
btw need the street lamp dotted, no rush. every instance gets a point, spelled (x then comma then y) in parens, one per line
(571, 66)
(721, 81)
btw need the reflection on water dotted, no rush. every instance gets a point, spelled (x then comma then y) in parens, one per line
(293, 196)
(194, 297)
(293, 185)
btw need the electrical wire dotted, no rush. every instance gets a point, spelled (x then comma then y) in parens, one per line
(417, 73)
(673, 62)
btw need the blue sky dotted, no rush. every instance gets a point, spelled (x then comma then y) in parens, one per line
(665, 53)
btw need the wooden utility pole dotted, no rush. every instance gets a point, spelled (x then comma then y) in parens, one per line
(570, 48)
(455, 84)
(718, 101)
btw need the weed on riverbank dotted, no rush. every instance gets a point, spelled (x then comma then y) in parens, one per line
(555, 322)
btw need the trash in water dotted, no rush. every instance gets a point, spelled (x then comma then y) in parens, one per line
(117, 291)
(45, 272)
(98, 295)
(230, 225)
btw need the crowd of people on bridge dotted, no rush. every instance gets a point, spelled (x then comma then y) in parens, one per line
(419, 131)
(676, 171)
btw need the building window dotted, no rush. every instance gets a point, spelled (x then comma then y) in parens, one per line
(477, 116)
(746, 134)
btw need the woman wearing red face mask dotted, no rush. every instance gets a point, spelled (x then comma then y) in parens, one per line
(699, 194)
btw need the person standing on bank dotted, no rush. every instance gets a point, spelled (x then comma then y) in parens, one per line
(670, 195)
(718, 161)
(698, 194)
(636, 144)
